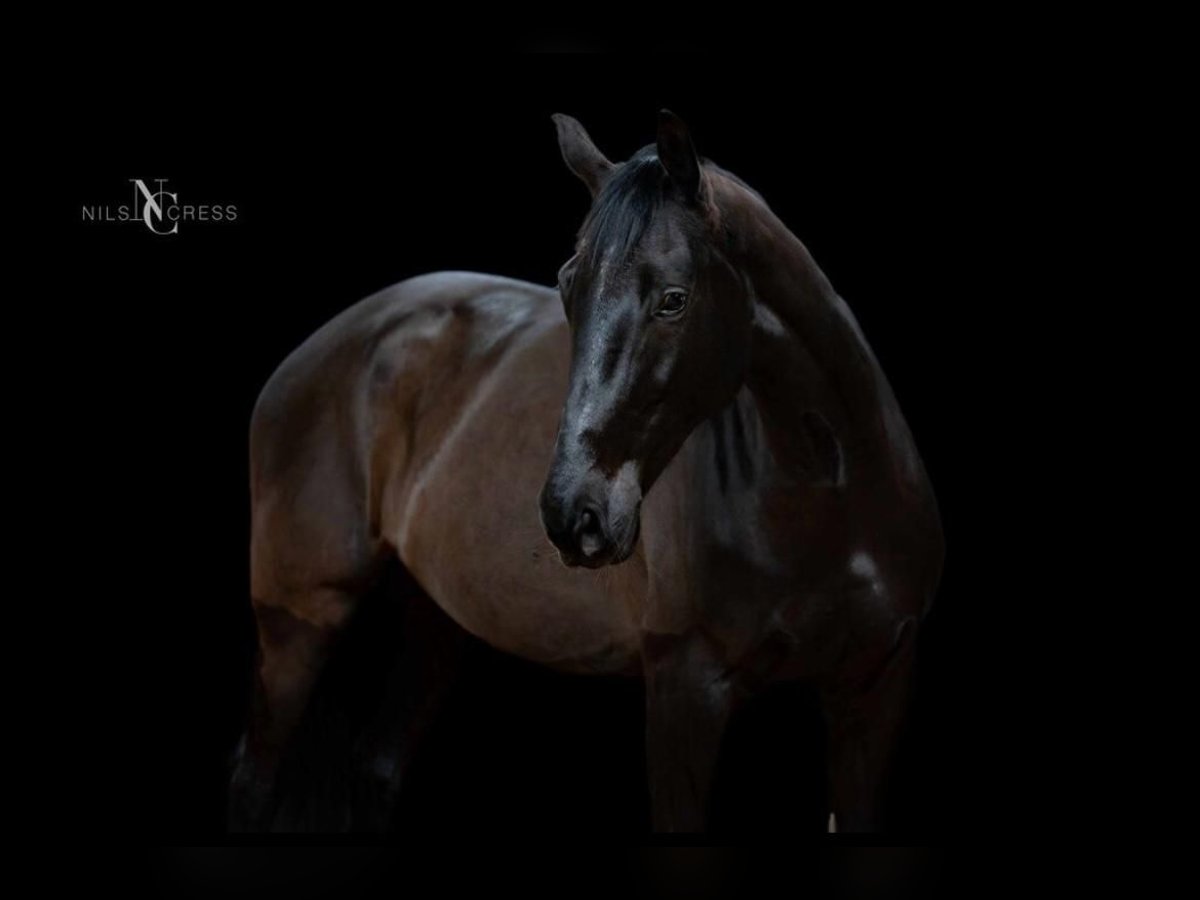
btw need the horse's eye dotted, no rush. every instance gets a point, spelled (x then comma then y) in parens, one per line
(672, 303)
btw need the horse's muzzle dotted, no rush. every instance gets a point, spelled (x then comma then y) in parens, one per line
(584, 533)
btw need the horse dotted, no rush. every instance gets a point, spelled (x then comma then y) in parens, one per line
(683, 465)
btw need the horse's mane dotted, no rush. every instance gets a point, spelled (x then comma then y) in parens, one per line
(624, 206)
(627, 201)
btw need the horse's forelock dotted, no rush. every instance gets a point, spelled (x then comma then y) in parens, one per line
(624, 207)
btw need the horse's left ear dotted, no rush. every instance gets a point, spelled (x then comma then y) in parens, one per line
(678, 155)
(580, 154)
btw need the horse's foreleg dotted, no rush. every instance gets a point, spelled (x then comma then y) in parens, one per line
(689, 698)
(863, 721)
(292, 652)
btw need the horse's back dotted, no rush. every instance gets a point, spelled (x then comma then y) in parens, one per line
(321, 374)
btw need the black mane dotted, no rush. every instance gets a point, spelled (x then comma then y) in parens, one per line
(625, 205)
(628, 200)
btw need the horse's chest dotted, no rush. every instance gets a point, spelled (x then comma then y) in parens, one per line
(795, 622)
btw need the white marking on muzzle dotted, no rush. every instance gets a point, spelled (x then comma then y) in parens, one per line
(626, 490)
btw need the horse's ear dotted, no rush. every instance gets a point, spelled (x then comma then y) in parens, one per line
(580, 154)
(678, 155)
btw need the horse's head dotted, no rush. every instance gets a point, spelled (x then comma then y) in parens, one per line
(660, 325)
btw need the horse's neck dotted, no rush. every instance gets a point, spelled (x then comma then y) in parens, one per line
(809, 355)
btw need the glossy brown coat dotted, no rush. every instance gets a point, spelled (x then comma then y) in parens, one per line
(793, 534)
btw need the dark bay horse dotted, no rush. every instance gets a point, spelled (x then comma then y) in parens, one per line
(731, 493)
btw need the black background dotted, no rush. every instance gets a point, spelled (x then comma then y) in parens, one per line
(908, 194)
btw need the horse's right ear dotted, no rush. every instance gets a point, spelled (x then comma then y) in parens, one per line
(580, 154)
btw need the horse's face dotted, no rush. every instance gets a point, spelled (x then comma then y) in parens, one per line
(660, 326)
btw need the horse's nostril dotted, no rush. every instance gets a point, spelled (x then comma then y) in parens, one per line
(588, 532)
